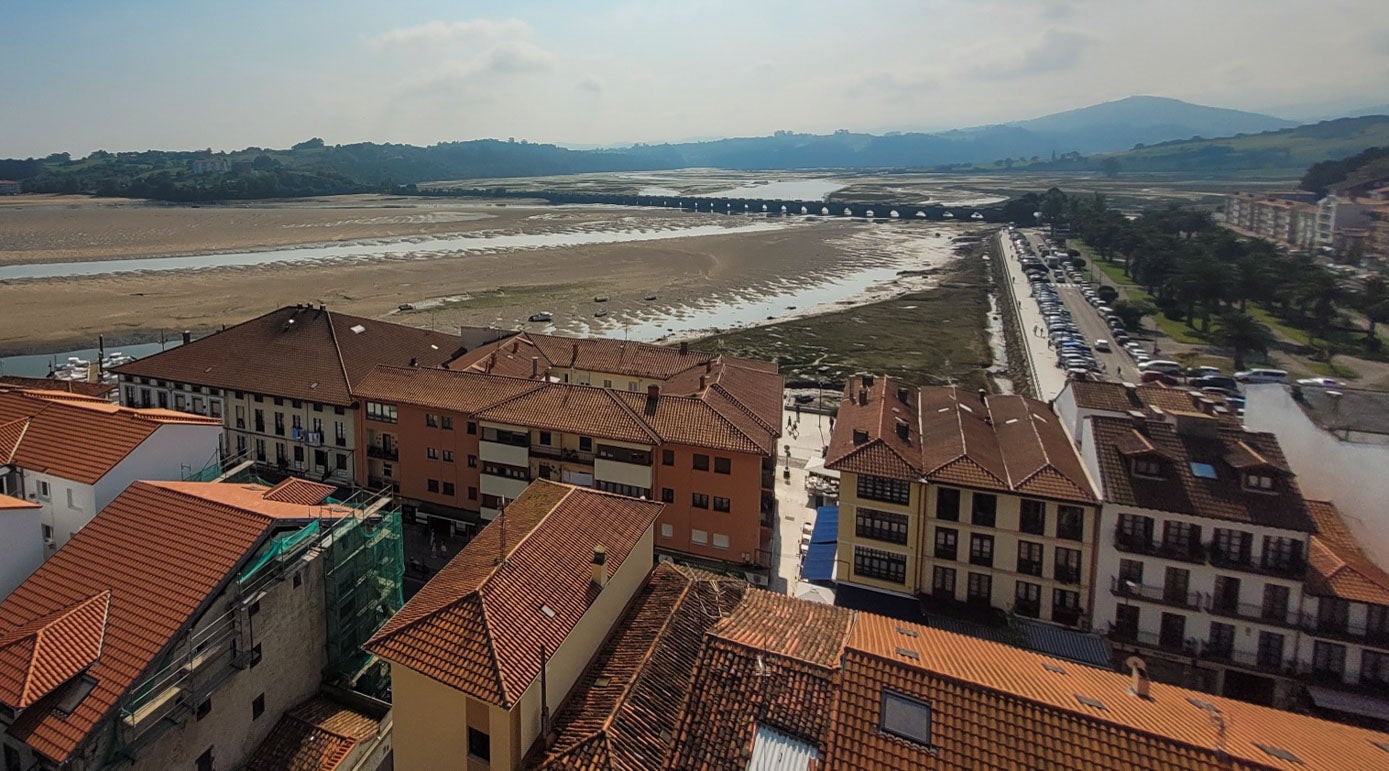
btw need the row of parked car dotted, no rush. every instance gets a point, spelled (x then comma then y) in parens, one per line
(1073, 351)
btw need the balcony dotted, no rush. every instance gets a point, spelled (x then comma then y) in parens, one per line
(1062, 614)
(1295, 568)
(561, 454)
(383, 453)
(1186, 646)
(1029, 608)
(1193, 551)
(1248, 611)
(1030, 567)
(1158, 594)
(1358, 633)
(1067, 575)
(1133, 543)
(1220, 651)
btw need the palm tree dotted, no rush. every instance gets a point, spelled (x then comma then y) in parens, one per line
(1243, 333)
(1374, 303)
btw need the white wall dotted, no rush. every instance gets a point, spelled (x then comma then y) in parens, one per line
(169, 454)
(21, 547)
(1353, 476)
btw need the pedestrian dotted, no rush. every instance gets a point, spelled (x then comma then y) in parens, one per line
(1119, 372)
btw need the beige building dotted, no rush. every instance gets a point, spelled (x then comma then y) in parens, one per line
(501, 634)
(963, 499)
(1283, 219)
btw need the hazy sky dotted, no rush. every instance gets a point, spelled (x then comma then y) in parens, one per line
(187, 74)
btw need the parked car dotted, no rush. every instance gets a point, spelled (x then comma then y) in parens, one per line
(1162, 365)
(1262, 376)
(1154, 376)
(1325, 382)
(1214, 381)
(1102, 344)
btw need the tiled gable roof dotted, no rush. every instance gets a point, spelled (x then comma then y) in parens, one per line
(8, 502)
(598, 354)
(1181, 490)
(573, 409)
(685, 420)
(1338, 567)
(39, 656)
(75, 438)
(477, 624)
(301, 353)
(620, 713)
(874, 412)
(160, 549)
(300, 491)
(466, 392)
(317, 735)
(81, 387)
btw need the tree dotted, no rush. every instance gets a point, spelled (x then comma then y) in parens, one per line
(1374, 303)
(1110, 167)
(1242, 333)
(1053, 205)
(1107, 293)
(1132, 313)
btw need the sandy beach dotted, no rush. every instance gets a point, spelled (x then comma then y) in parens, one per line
(500, 288)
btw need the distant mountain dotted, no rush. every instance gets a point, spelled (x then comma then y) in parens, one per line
(1122, 124)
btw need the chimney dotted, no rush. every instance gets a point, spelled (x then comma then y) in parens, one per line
(574, 355)
(599, 566)
(862, 397)
(414, 362)
(684, 348)
(1138, 686)
(187, 337)
(708, 366)
(535, 366)
(653, 392)
(514, 345)
(867, 381)
(982, 395)
(322, 306)
(860, 436)
(703, 382)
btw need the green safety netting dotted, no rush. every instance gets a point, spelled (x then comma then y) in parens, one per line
(281, 544)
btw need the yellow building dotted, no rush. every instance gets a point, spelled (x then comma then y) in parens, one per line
(488, 649)
(963, 499)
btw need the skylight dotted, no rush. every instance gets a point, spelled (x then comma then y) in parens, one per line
(1054, 668)
(357, 329)
(1203, 470)
(548, 611)
(906, 718)
(1280, 753)
(75, 694)
(1197, 703)
(1089, 702)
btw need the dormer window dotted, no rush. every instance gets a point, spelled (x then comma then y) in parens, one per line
(1258, 482)
(1147, 467)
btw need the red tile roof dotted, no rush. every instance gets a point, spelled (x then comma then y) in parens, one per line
(573, 409)
(7, 502)
(440, 389)
(301, 353)
(476, 625)
(1180, 490)
(160, 549)
(43, 654)
(1338, 567)
(76, 437)
(597, 354)
(300, 491)
(1151, 398)
(53, 384)
(317, 735)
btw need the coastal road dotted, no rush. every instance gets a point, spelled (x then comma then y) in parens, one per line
(1047, 378)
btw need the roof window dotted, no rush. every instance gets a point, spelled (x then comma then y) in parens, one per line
(548, 611)
(1054, 668)
(1089, 702)
(907, 632)
(1147, 467)
(911, 654)
(906, 718)
(74, 695)
(1203, 470)
(357, 329)
(1280, 753)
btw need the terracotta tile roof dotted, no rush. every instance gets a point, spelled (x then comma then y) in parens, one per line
(685, 420)
(79, 439)
(1006, 443)
(1180, 490)
(775, 623)
(574, 409)
(300, 491)
(43, 654)
(53, 384)
(466, 392)
(301, 353)
(7, 502)
(1338, 567)
(1152, 398)
(997, 706)
(317, 735)
(621, 713)
(597, 354)
(476, 625)
(160, 549)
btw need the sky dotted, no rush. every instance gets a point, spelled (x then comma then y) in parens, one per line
(83, 75)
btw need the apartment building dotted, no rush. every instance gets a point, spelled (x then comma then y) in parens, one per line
(176, 628)
(71, 455)
(486, 651)
(281, 383)
(1204, 553)
(966, 498)
(1081, 399)
(697, 670)
(1288, 220)
(694, 431)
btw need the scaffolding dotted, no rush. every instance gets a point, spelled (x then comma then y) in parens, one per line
(363, 577)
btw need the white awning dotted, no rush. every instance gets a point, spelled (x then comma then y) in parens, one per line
(1354, 703)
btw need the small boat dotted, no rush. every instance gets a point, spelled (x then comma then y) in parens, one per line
(600, 313)
(649, 297)
(600, 299)
(542, 316)
(405, 307)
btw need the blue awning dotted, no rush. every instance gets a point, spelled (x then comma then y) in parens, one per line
(826, 525)
(818, 565)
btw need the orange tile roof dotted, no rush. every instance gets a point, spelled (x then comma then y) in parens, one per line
(573, 409)
(596, 354)
(76, 438)
(317, 735)
(302, 353)
(1152, 398)
(1338, 567)
(686, 420)
(300, 491)
(7, 502)
(53, 384)
(39, 656)
(476, 625)
(440, 389)
(160, 549)
(873, 414)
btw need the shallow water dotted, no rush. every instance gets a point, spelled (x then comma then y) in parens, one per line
(783, 189)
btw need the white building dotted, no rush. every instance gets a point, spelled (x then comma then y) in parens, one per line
(1338, 440)
(20, 527)
(1203, 551)
(72, 455)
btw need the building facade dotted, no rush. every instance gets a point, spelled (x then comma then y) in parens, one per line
(1287, 220)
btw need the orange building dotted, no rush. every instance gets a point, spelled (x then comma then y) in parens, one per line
(691, 430)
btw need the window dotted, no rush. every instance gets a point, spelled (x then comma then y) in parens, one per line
(48, 532)
(1070, 523)
(1029, 558)
(1181, 540)
(1067, 565)
(472, 427)
(1260, 482)
(204, 762)
(296, 421)
(667, 495)
(699, 536)
(1172, 631)
(320, 458)
(298, 453)
(446, 422)
(720, 541)
(430, 421)
(44, 490)
(983, 510)
(448, 488)
(723, 466)
(341, 461)
(545, 438)
(479, 745)
(631, 491)
(1176, 586)
(943, 582)
(947, 542)
(722, 504)
(279, 402)
(448, 456)
(1126, 618)
(981, 550)
(522, 473)
(883, 526)
(1221, 642)
(1282, 554)
(1231, 547)
(204, 708)
(667, 531)
(384, 413)
(624, 455)
(1146, 467)
(883, 489)
(472, 493)
(1225, 598)
(1027, 599)
(1332, 614)
(1377, 622)
(432, 485)
(1328, 659)
(667, 457)
(1374, 667)
(431, 453)
(881, 565)
(701, 462)
(585, 444)
(906, 718)
(948, 504)
(1135, 532)
(472, 461)
(1270, 653)
(1032, 518)
(257, 706)
(980, 588)
(699, 500)
(1065, 606)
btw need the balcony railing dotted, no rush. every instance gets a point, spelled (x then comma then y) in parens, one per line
(1161, 594)
(1062, 614)
(1067, 575)
(1191, 551)
(1186, 645)
(557, 453)
(943, 553)
(1029, 608)
(1249, 611)
(384, 453)
(1133, 543)
(1226, 653)
(983, 560)
(1350, 632)
(1030, 567)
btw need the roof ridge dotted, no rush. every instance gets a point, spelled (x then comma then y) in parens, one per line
(875, 441)
(27, 420)
(626, 408)
(491, 647)
(965, 456)
(337, 350)
(743, 408)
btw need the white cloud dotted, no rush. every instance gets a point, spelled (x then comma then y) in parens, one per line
(590, 84)
(516, 57)
(440, 32)
(1058, 49)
